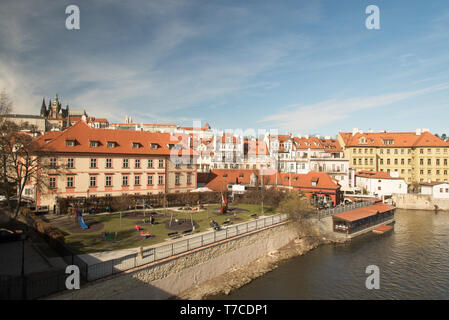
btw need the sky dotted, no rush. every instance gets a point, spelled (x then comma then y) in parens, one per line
(301, 67)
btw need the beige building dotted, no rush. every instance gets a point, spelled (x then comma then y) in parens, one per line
(416, 156)
(92, 162)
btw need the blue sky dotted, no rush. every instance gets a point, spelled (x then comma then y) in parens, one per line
(296, 66)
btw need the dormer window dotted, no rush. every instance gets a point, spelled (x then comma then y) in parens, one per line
(70, 143)
(136, 145)
(154, 145)
(362, 140)
(112, 144)
(94, 144)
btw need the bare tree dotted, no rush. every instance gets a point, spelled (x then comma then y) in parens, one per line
(20, 161)
(5, 104)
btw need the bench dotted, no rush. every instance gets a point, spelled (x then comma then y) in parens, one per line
(254, 216)
(226, 223)
(174, 235)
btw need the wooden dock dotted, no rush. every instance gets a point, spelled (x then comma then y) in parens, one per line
(382, 229)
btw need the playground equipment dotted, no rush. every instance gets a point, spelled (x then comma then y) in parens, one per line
(224, 204)
(81, 220)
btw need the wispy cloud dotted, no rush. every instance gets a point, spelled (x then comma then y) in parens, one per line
(307, 117)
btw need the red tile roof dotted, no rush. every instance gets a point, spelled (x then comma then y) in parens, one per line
(376, 175)
(218, 179)
(362, 213)
(399, 139)
(431, 183)
(83, 134)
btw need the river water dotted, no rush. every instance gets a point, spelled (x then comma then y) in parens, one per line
(413, 261)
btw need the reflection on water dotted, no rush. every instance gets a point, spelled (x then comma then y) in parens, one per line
(413, 262)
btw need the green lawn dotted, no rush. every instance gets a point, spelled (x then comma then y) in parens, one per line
(129, 238)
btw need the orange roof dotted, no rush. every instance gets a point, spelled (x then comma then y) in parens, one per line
(376, 175)
(218, 179)
(431, 183)
(393, 139)
(362, 213)
(308, 143)
(125, 141)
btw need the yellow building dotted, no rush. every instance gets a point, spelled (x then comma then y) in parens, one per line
(416, 156)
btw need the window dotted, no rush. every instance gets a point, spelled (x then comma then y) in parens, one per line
(150, 163)
(429, 162)
(137, 163)
(161, 180)
(150, 180)
(125, 163)
(108, 163)
(421, 151)
(438, 162)
(402, 161)
(161, 163)
(137, 180)
(409, 161)
(52, 162)
(70, 163)
(69, 182)
(388, 161)
(395, 161)
(70, 143)
(445, 161)
(93, 181)
(381, 161)
(189, 179)
(421, 161)
(429, 171)
(52, 183)
(111, 144)
(354, 162)
(108, 181)
(136, 145)
(177, 166)
(94, 144)
(125, 181)
(379, 188)
(395, 151)
(177, 179)
(438, 172)
(93, 163)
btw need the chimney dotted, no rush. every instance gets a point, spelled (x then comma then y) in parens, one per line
(355, 131)
(306, 136)
(418, 132)
(318, 136)
(327, 137)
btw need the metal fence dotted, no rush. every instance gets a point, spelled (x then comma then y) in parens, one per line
(344, 208)
(114, 266)
(31, 286)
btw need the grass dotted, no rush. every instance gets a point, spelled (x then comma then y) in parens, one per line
(130, 238)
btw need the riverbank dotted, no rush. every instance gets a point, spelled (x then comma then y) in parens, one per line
(238, 277)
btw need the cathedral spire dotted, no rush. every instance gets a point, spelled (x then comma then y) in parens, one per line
(43, 108)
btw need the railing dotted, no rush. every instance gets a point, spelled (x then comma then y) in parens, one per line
(344, 208)
(114, 266)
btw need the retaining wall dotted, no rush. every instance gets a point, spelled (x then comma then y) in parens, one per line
(166, 279)
(419, 202)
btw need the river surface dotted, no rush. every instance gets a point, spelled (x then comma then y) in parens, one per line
(413, 261)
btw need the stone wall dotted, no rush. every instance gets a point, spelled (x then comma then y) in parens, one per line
(167, 279)
(419, 202)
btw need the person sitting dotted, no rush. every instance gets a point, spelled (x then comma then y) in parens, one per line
(138, 227)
